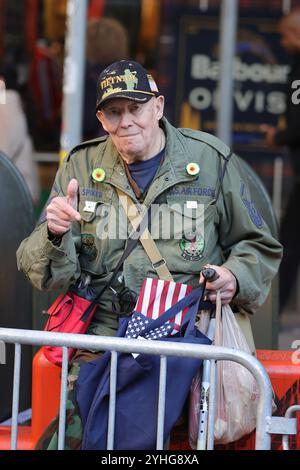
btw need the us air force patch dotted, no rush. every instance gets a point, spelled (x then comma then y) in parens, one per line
(192, 248)
(252, 211)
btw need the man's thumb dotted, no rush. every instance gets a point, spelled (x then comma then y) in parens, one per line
(72, 193)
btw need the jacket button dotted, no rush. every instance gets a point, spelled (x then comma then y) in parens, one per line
(166, 178)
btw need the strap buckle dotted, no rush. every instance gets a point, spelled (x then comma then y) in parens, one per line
(159, 264)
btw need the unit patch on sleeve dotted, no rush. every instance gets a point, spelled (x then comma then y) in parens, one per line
(252, 211)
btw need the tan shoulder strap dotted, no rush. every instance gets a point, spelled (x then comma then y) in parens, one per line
(158, 262)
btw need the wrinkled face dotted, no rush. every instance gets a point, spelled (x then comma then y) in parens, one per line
(132, 126)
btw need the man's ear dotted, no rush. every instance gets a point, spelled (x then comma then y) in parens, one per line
(160, 104)
(99, 116)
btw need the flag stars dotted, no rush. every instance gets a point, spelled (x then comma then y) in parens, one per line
(138, 323)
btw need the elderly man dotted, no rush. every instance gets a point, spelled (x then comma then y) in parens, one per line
(190, 175)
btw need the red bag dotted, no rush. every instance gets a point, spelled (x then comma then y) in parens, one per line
(67, 315)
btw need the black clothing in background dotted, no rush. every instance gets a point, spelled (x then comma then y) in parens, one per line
(291, 135)
(290, 224)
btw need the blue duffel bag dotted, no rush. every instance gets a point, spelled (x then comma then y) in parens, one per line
(137, 385)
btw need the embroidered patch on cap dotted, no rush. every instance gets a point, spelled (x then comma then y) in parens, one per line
(125, 79)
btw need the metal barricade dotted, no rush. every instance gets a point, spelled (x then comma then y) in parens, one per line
(265, 423)
(293, 425)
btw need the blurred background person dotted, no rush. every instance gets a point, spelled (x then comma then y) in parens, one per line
(15, 140)
(289, 136)
(107, 42)
(45, 91)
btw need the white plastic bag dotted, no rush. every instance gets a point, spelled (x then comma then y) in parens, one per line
(237, 390)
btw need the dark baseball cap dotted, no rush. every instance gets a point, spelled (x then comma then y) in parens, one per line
(125, 79)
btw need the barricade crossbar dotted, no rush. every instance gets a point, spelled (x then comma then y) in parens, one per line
(161, 348)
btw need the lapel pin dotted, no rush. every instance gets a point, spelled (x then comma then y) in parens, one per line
(98, 175)
(192, 169)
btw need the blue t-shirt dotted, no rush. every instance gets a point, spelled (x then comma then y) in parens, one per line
(144, 172)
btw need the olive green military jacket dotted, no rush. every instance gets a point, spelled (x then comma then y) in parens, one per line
(195, 224)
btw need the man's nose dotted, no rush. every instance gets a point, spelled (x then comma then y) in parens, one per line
(126, 119)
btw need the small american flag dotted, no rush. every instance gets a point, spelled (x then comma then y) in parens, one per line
(138, 323)
(155, 298)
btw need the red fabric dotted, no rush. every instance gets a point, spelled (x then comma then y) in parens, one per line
(46, 87)
(31, 24)
(96, 8)
(65, 316)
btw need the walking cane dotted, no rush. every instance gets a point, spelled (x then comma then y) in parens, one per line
(209, 275)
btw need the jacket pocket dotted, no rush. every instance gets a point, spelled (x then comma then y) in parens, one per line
(189, 233)
(190, 217)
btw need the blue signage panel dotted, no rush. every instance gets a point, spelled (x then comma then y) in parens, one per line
(260, 75)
